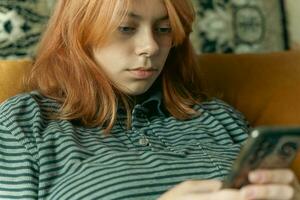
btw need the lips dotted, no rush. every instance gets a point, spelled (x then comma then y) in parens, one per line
(142, 73)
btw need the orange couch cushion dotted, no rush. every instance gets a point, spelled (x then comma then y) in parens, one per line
(11, 73)
(264, 87)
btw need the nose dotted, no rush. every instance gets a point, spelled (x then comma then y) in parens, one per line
(146, 44)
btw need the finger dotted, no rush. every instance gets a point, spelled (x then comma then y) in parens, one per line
(191, 189)
(227, 194)
(280, 192)
(282, 176)
(200, 186)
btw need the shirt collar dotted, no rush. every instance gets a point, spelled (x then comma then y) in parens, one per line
(151, 105)
(154, 103)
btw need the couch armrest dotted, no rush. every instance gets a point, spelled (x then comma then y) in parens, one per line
(11, 77)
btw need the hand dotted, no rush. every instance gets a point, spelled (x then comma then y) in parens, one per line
(200, 190)
(265, 184)
(278, 184)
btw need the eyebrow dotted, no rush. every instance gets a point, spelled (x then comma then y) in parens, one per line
(139, 17)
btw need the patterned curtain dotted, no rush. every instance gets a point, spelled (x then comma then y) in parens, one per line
(21, 24)
(223, 26)
(238, 26)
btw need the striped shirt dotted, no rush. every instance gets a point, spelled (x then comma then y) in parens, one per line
(43, 158)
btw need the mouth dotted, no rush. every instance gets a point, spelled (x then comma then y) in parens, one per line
(142, 72)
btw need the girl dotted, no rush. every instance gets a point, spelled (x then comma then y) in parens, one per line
(116, 111)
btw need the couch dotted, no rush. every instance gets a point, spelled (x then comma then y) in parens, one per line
(264, 87)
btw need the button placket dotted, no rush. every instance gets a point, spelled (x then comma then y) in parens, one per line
(139, 122)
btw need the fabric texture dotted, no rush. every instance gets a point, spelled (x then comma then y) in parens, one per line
(229, 26)
(21, 24)
(235, 26)
(57, 159)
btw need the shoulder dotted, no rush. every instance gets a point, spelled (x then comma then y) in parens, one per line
(18, 101)
(17, 105)
(24, 104)
(23, 116)
(220, 108)
(24, 112)
(215, 104)
(227, 116)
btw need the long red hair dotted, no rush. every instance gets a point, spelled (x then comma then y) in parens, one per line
(65, 70)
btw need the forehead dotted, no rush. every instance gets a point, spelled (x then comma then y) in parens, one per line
(147, 9)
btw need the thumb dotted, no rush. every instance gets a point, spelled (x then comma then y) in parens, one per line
(188, 189)
(197, 186)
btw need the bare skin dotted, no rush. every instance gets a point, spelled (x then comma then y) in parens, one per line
(265, 184)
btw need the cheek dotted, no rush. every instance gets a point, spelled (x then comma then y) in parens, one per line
(164, 52)
(165, 42)
(109, 58)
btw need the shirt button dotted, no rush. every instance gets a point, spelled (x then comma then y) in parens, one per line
(143, 141)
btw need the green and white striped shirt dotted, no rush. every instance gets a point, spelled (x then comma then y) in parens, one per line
(42, 158)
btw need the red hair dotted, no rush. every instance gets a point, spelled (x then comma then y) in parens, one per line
(66, 71)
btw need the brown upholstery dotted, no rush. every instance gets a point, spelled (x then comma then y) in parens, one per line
(10, 77)
(264, 87)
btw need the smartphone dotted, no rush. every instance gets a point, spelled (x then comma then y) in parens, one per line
(267, 148)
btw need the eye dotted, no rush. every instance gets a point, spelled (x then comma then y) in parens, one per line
(163, 30)
(126, 29)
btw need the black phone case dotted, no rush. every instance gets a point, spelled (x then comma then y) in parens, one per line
(266, 147)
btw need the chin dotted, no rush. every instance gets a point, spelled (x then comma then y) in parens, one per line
(136, 91)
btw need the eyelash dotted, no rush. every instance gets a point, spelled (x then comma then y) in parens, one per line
(164, 30)
(130, 30)
(126, 29)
